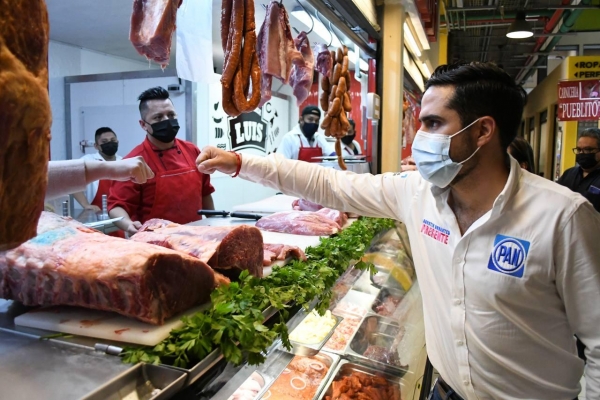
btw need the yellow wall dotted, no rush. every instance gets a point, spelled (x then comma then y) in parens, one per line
(544, 97)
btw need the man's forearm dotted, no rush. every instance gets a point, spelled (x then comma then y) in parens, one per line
(118, 212)
(208, 203)
(81, 199)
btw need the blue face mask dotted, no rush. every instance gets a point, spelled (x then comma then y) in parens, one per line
(431, 153)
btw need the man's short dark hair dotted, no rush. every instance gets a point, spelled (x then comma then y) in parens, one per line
(311, 110)
(483, 89)
(592, 133)
(155, 93)
(102, 130)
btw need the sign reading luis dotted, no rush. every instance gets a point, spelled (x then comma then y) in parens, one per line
(509, 256)
(579, 100)
(247, 131)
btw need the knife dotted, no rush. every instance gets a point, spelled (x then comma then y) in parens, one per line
(101, 223)
(229, 214)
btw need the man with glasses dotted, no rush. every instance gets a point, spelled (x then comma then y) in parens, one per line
(584, 178)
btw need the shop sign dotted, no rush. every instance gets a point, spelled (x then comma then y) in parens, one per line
(583, 67)
(579, 100)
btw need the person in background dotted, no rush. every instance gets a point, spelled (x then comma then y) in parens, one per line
(521, 151)
(107, 144)
(584, 178)
(508, 263)
(351, 146)
(179, 190)
(303, 142)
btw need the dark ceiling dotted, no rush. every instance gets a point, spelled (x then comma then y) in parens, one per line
(477, 31)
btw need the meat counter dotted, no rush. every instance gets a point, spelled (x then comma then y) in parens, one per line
(377, 312)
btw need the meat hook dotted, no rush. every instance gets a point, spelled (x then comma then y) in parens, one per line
(312, 21)
(333, 32)
(330, 35)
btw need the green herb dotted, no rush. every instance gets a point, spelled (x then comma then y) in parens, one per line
(234, 323)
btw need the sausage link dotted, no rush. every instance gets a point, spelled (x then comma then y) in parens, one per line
(338, 150)
(234, 46)
(340, 55)
(344, 124)
(227, 100)
(240, 92)
(346, 103)
(333, 92)
(326, 122)
(325, 84)
(334, 127)
(225, 22)
(341, 88)
(337, 73)
(324, 101)
(249, 43)
(348, 80)
(345, 66)
(335, 107)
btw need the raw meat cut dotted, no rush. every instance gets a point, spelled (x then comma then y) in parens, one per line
(339, 217)
(281, 252)
(301, 78)
(152, 26)
(275, 49)
(25, 118)
(359, 385)
(299, 223)
(324, 60)
(77, 266)
(229, 250)
(305, 205)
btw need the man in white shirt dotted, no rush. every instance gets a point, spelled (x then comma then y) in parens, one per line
(107, 144)
(303, 142)
(508, 262)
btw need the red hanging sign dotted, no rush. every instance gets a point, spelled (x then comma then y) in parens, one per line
(579, 100)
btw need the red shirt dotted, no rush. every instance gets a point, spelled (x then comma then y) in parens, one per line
(138, 199)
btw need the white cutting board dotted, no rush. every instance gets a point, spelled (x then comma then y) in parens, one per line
(100, 324)
(273, 204)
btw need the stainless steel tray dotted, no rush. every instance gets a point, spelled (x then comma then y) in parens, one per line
(330, 360)
(346, 368)
(380, 299)
(347, 317)
(383, 333)
(143, 382)
(311, 349)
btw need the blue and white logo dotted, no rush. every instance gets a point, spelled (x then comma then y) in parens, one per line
(509, 256)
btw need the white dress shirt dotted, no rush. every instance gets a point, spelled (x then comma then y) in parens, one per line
(92, 188)
(290, 143)
(501, 302)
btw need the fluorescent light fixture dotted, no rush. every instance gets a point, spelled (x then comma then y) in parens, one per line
(325, 34)
(410, 40)
(427, 71)
(362, 64)
(520, 28)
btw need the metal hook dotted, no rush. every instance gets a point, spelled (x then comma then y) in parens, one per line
(330, 35)
(312, 21)
(333, 32)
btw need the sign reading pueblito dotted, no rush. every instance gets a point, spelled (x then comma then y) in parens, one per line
(579, 100)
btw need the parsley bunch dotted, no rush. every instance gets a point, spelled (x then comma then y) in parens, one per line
(234, 322)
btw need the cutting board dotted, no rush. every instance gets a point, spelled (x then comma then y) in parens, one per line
(271, 204)
(100, 324)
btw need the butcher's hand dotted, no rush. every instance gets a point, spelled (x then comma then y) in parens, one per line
(133, 227)
(212, 159)
(134, 169)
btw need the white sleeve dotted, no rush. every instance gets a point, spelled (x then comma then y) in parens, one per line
(357, 145)
(363, 194)
(65, 177)
(286, 147)
(577, 262)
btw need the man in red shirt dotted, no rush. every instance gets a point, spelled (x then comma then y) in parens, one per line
(178, 190)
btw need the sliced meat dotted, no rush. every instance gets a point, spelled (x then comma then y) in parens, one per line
(305, 205)
(25, 118)
(338, 216)
(324, 60)
(275, 48)
(301, 78)
(77, 266)
(152, 26)
(229, 250)
(281, 252)
(299, 223)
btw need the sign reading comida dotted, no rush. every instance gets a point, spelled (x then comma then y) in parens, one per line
(579, 100)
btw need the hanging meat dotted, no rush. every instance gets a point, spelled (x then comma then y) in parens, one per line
(25, 118)
(335, 100)
(324, 60)
(301, 78)
(276, 51)
(241, 72)
(152, 26)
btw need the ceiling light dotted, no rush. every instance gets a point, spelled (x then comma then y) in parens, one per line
(427, 71)
(410, 40)
(519, 29)
(320, 29)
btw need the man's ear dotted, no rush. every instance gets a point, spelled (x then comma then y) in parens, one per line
(96, 146)
(142, 124)
(487, 128)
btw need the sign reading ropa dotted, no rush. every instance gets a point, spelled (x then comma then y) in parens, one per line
(579, 100)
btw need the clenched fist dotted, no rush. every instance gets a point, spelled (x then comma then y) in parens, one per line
(212, 159)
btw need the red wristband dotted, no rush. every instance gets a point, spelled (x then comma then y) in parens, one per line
(239, 164)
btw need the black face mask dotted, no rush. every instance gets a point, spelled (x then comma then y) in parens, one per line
(586, 161)
(109, 148)
(165, 131)
(309, 129)
(348, 139)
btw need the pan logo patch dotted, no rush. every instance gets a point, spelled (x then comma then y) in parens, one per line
(248, 131)
(509, 256)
